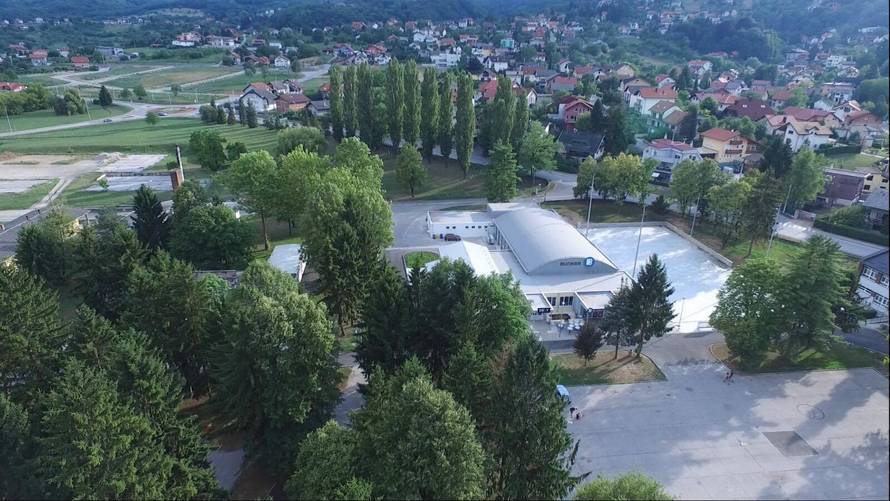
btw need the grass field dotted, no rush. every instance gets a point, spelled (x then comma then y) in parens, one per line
(133, 137)
(165, 78)
(236, 83)
(444, 181)
(852, 161)
(48, 118)
(44, 79)
(27, 198)
(311, 86)
(839, 356)
(115, 70)
(178, 55)
(604, 369)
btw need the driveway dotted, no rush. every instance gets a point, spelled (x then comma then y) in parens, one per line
(802, 435)
(409, 219)
(798, 230)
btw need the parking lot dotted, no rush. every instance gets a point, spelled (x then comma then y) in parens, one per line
(800, 435)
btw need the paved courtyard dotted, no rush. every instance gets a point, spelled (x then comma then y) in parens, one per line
(695, 275)
(801, 435)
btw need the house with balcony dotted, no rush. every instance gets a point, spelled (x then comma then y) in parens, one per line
(726, 146)
(874, 279)
(668, 154)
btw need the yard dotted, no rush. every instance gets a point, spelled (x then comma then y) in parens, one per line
(446, 180)
(27, 198)
(839, 356)
(605, 369)
(45, 79)
(48, 118)
(177, 75)
(133, 137)
(852, 161)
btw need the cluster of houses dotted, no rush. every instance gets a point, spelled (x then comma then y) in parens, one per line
(63, 55)
(283, 97)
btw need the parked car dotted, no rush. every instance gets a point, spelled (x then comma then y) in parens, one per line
(107, 121)
(162, 113)
(451, 237)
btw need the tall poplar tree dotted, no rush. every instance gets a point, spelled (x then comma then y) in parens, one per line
(350, 118)
(365, 105)
(411, 123)
(465, 125)
(501, 113)
(395, 94)
(429, 116)
(336, 97)
(446, 117)
(520, 122)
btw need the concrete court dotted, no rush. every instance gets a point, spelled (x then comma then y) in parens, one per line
(695, 276)
(703, 439)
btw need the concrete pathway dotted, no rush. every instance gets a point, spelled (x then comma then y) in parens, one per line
(798, 230)
(351, 399)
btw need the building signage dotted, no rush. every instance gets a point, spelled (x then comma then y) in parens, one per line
(589, 261)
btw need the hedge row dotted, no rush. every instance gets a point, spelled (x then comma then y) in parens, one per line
(850, 231)
(839, 150)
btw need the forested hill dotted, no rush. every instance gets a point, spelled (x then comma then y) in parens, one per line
(794, 19)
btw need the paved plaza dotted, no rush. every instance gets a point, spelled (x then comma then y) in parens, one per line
(799, 435)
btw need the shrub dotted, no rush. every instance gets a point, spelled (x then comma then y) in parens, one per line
(850, 231)
(660, 205)
(625, 487)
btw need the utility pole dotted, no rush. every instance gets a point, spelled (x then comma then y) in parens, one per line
(589, 205)
(788, 196)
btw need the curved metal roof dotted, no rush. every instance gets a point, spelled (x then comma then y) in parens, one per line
(540, 237)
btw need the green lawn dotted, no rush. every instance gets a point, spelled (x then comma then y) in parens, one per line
(604, 368)
(178, 55)
(852, 161)
(27, 198)
(311, 86)
(839, 356)
(44, 79)
(419, 259)
(133, 137)
(165, 78)
(601, 211)
(115, 70)
(76, 195)
(48, 118)
(445, 181)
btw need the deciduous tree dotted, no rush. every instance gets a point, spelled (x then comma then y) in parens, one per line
(465, 124)
(310, 138)
(410, 170)
(627, 486)
(588, 342)
(501, 180)
(395, 91)
(429, 112)
(538, 149)
(446, 117)
(350, 98)
(411, 113)
(211, 238)
(251, 179)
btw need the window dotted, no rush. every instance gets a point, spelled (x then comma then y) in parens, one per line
(881, 300)
(566, 300)
(552, 301)
(870, 273)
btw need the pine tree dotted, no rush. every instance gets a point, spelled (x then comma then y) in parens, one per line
(446, 117)
(597, 117)
(411, 121)
(429, 116)
(652, 310)
(465, 124)
(105, 99)
(31, 338)
(150, 220)
(395, 86)
(336, 96)
(350, 117)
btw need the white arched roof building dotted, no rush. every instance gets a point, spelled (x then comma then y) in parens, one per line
(543, 243)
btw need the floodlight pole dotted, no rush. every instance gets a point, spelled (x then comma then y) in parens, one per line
(694, 215)
(589, 205)
(639, 237)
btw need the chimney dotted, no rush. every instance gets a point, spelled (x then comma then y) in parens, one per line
(176, 178)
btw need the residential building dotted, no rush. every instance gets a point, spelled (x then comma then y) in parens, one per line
(80, 62)
(562, 84)
(877, 207)
(699, 67)
(281, 62)
(796, 133)
(12, 87)
(39, 57)
(570, 109)
(668, 154)
(259, 96)
(726, 146)
(754, 109)
(875, 181)
(874, 281)
(579, 145)
(647, 97)
(842, 187)
(291, 102)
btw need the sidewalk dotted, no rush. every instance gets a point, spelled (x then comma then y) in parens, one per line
(799, 230)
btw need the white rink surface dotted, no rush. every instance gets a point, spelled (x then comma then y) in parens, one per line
(695, 275)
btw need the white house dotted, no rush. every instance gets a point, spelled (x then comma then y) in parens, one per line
(444, 60)
(281, 62)
(799, 134)
(874, 279)
(466, 224)
(645, 98)
(668, 154)
(261, 99)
